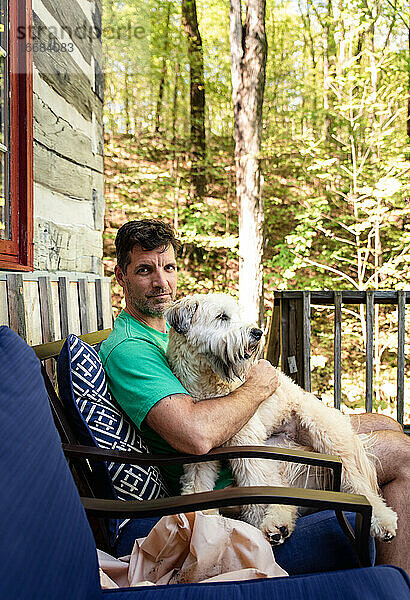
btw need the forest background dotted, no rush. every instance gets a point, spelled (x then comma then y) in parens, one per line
(334, 157)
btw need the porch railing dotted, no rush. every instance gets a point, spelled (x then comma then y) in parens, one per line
(289, 337)
(43, 307)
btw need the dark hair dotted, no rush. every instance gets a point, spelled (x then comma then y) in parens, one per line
(147, 233)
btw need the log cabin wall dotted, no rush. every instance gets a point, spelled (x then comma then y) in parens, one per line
(67, 291)
(68, 137)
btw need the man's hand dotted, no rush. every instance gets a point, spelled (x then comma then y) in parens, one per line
(263, 377)
(195, 428)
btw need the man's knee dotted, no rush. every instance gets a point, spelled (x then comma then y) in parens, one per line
(391, 450)
(369, 422)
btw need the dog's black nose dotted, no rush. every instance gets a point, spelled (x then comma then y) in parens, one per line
(256, 333)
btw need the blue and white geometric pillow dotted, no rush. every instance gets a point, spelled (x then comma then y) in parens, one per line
(106, 423)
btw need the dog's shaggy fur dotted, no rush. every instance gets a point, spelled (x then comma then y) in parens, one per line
(210, 351)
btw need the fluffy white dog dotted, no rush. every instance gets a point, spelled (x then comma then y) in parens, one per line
(210, 351)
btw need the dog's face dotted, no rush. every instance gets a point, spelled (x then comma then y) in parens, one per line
(213, 326)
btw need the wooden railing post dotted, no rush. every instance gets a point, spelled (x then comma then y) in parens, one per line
(15, 301)
(337, 350)
(369, 350)
(290, 338)
(63, 301)
(401, 324)
(291, 358)
(83, 300)
(99, 304)
(299, 342)
(306, 342)
(272, 351)
(284, 333)
(46, 309)
(47, 318)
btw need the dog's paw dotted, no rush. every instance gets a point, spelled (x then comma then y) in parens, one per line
(276, 536)
(384, 524)
(278, 525)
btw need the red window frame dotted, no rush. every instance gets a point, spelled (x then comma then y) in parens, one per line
(17, 254)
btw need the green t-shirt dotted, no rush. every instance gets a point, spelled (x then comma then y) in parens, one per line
(138, 376)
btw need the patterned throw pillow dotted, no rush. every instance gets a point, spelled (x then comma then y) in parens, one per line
(99, 421)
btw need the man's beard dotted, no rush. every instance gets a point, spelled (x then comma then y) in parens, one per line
(147, 310)
(144, 307)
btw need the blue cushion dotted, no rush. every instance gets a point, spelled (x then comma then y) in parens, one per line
(134, 529)
(373, 583)
(47, 548)
(98, 421)
(317, 543)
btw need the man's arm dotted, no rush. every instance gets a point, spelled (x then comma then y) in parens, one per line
(196, 428)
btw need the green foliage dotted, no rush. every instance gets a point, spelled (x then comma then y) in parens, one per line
(334, 151)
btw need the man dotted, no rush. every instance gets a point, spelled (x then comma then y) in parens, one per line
(142, 383)
(134, 357)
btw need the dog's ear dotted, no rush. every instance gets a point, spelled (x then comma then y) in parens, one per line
(179, 316)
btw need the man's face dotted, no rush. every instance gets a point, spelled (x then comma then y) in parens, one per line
(150, 280)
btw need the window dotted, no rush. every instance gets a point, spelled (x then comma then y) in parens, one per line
(16, 136)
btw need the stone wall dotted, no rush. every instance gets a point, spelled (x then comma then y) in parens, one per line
(68, 136)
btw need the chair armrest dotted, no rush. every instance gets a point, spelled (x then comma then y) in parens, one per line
(52, 349)
(266, 452)
(318, 499)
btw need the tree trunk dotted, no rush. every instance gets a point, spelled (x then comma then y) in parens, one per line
(127, 101)
(329, 51)
(310, 42)
(175, 156)
(175, 107)
(408, 89)
(163, 71)
(197, 95)
(248, 52)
